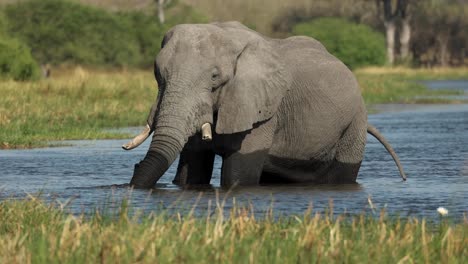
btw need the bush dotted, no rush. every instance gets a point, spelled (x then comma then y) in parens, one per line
(3, 25)
(61, 31)
(149, 32)
(148, 35)
(355, 44)
(16, 61)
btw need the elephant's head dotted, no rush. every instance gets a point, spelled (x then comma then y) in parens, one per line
(223, 72)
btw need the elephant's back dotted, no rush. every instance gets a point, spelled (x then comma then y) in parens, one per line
(322, 101)
(321, 81)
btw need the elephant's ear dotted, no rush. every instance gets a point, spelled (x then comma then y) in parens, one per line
(255, 92)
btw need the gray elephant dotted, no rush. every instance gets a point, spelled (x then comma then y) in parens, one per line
(284, 110)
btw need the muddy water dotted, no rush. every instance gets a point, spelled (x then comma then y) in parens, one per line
(432, 142)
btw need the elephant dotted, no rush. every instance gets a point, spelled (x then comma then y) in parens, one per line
(283, 111)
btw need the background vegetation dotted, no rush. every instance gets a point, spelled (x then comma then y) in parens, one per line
(117, 33)
(356, 45)
(68, 32)
(437, 27)
(16, 61)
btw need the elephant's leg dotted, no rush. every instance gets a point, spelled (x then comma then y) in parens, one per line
(245, 166)
(349, 153)
(195, 167)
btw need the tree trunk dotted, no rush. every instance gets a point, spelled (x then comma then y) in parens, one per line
(405, 36)
(161, 11)
(443, 50)
(390, 28)
(390, 17)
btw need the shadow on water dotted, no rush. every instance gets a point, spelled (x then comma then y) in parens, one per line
(200, 200)
(246, 189)
(112, 186)
(431, 141)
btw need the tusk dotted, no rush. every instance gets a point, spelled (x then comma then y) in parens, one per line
(135, 142)
(206, 132)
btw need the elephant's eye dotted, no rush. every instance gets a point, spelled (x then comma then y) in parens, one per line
(215, 74)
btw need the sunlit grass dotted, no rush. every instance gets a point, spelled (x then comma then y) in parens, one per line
(75, 105)
(400, 85)
(81, 103)
(437, 73)
(31, 231)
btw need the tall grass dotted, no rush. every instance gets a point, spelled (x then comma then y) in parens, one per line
(31, 231)
(401, 84)
(77, 104)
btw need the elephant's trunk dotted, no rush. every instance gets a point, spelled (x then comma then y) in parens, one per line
(171, 131)
(164, 149)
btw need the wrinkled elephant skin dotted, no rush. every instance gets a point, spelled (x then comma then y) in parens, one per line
(276, 110)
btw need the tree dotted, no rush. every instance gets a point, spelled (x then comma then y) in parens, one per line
(395, 11)
(161, 4)
(441, 32)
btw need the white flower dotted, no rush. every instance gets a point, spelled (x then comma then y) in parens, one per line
(442, 211)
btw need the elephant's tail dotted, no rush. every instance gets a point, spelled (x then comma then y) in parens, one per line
(374, 132)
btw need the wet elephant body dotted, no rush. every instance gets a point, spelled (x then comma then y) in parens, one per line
(283, 110)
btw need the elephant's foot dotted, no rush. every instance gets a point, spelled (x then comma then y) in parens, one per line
(242, 169)
(342, 173)
(244, 165)
(194, 168)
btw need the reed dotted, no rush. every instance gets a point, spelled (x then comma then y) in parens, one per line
(34, 232)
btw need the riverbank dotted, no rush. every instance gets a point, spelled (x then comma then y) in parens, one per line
(76, 104)
(402, 85)
(31, 231)
(81, 104)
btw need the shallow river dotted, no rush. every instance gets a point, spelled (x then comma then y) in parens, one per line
(432, 142)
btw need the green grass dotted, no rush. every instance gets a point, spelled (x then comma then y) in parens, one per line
(400, 85)
(81, 104)
(33, 232)
(74, 105)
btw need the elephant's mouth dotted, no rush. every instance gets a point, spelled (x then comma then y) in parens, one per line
(144, 134)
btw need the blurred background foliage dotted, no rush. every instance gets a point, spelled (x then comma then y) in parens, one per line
(59, 31)
(121, 33)
(355, 44)
(16, 61)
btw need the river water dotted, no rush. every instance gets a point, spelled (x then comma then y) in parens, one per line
(431, 141)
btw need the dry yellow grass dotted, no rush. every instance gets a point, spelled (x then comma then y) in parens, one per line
(33, 232)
